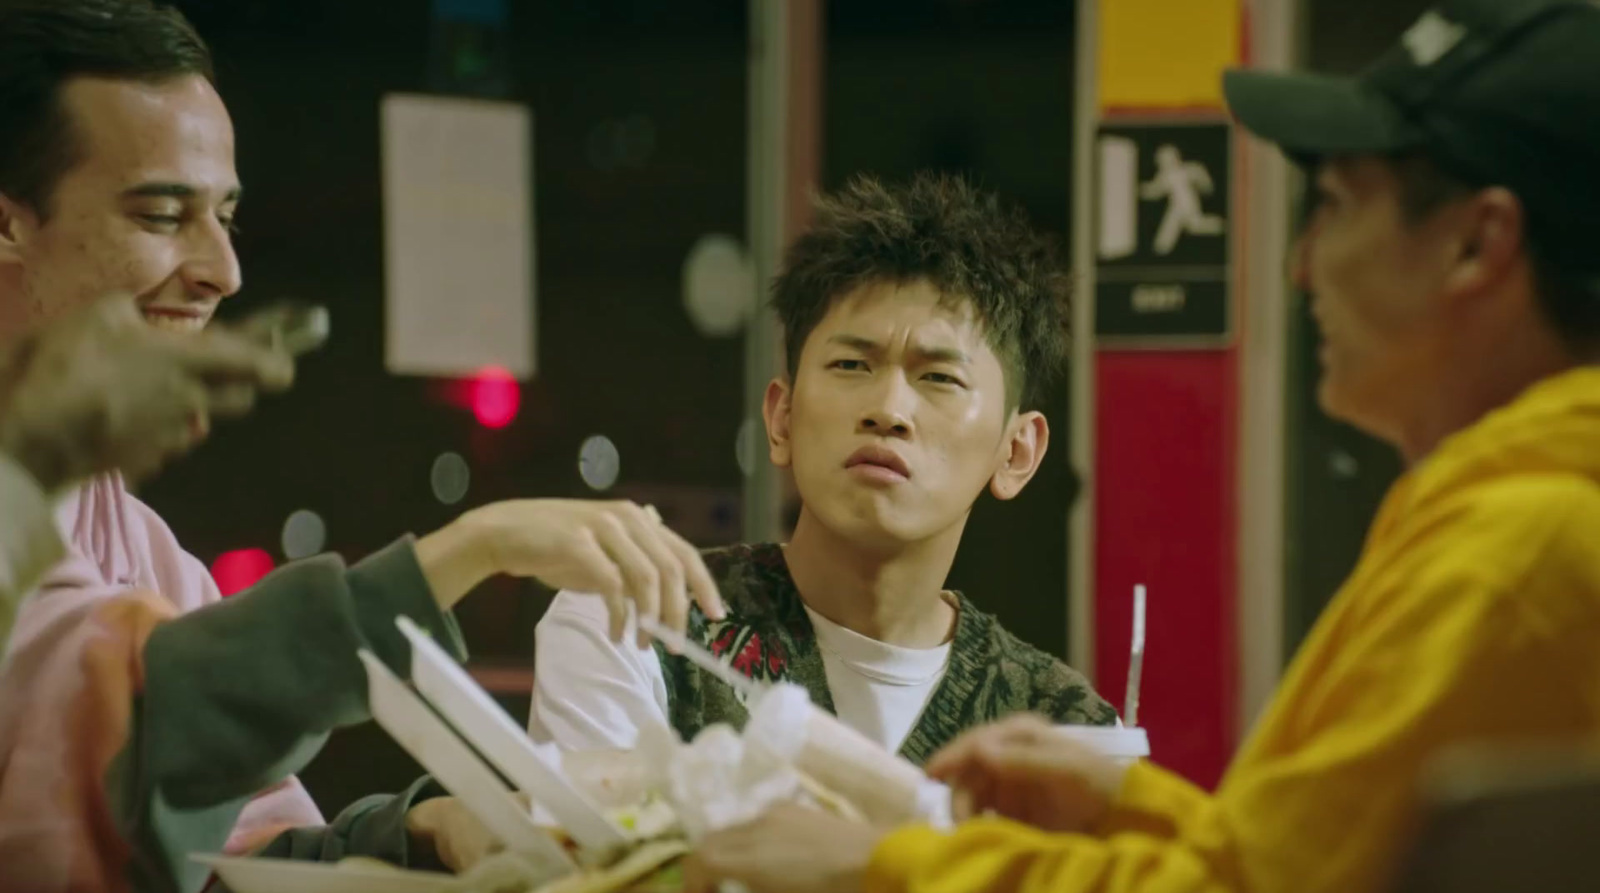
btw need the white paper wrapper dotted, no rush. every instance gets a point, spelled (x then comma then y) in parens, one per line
(610, 778)
(724, 778)
(716, 781)
(786, 724)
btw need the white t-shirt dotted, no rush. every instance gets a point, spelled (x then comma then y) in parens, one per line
(878, 689)
(590, 693)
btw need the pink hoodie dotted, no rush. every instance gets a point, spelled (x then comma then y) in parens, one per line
(67, 683)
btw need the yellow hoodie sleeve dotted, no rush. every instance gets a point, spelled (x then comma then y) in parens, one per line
(997, 855)
(1135, 850)
(1441, 646)
(1153, 805)
(1156, 802)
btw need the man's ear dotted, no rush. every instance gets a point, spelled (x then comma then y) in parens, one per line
(775, 411)
(18, 223)
(1021, 454)
(1494, 238)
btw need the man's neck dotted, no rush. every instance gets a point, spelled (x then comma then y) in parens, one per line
(896, 598)
(1473, 388)
(15, 307)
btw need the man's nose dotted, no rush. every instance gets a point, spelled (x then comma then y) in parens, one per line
(890, 409)
(1300, 261)
(212, 268)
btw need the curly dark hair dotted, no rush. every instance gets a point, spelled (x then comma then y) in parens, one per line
(46, 43)
(963, 241)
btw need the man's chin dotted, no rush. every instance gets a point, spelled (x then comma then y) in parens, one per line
(1331, 400)
(873, 527)
(1345, 405)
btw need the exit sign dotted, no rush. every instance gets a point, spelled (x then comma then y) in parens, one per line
(1162, 234)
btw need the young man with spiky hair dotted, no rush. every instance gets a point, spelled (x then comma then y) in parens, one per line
(923, 323)
(1449, 258)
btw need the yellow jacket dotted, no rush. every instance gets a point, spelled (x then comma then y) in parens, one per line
(1473, 615)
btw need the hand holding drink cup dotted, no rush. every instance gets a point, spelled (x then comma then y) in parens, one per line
(1023, 769)
(1054, 777)
(1058, 778)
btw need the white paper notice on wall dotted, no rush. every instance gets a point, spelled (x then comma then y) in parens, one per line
(458, 236)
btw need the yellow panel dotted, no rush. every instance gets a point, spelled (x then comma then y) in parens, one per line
(1162, 54)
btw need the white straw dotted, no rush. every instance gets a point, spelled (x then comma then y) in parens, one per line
(702, 658)
(1130, 704)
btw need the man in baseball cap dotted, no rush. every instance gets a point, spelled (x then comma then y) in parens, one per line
(1478, 134)
(1449, 262)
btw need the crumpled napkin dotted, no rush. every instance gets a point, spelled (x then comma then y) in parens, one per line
(724, 778)
(716, 781)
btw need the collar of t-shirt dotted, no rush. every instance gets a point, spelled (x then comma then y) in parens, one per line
(878, 661)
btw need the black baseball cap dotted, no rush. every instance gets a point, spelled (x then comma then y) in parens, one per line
(1496, 92)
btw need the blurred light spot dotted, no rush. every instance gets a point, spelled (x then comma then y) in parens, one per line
(450, 477)
(304, 534)
(240, 569)
(599, 462)
(752, 439)
(1343, 465)
(718, 285)
(496, 397)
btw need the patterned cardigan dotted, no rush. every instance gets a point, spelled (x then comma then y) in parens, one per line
(768, 637)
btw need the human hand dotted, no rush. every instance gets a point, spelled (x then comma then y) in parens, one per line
(102, 389)
(618, 550)
(1023, 769)
(790, 849)
(443, 828)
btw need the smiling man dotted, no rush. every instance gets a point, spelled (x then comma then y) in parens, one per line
(922, 325)
(142, 717)
(148, 204)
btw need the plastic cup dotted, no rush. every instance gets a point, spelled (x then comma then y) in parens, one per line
(1124, 745)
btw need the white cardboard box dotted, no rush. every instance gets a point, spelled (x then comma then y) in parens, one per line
(438, 740)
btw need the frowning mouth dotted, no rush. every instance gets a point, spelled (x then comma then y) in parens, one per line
(878, 463)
